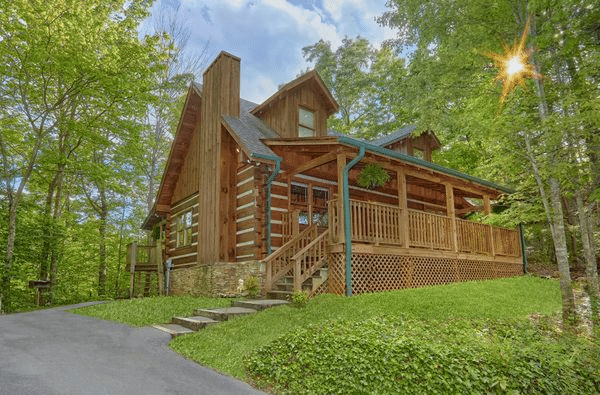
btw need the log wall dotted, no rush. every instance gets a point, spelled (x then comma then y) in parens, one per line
(187, 255)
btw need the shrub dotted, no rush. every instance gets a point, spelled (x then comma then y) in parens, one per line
(398, 355)
(252, 286)
(300, 299)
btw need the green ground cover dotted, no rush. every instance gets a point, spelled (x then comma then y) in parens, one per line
(224, 347)
(152, 310)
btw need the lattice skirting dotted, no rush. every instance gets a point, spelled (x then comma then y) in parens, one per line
(378, 272)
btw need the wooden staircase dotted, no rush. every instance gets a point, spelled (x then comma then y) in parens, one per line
(298, 265)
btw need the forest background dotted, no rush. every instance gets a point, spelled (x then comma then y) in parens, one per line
(88, 110)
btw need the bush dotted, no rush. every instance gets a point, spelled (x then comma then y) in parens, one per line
(300, 299)
(410, 356)
(252, 286)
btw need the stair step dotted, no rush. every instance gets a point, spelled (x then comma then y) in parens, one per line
(173, 329)
(277, 294)
(259, 304)
(194, 323)
(225, 313)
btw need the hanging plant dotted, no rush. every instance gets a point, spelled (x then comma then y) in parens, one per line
(372, 176)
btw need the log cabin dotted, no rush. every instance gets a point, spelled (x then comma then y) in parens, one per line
(266, 190)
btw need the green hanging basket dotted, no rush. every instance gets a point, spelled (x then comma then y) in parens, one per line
(372, 176)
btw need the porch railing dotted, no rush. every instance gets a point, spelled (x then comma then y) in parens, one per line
(383, 224)
(281, 262)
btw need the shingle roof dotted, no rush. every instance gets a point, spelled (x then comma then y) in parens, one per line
(395, 136)
(249, 130)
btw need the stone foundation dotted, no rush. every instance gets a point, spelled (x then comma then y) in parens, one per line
(220, 278)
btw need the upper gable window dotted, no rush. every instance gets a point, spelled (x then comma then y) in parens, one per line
(306, 123)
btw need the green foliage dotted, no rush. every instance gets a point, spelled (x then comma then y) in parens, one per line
(395, 354)
(252, 286)
(367, 83)
(148, 311)
(372, 176)
(224, 348)
(300, 299)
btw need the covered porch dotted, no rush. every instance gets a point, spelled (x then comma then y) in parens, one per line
(408, 233)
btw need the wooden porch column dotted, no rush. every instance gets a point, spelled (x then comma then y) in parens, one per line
(341, 163)
(403, 205)
(451, 212)
(132, 258)
(487, 207)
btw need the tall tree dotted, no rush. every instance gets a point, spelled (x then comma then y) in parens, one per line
(181, 66)
(60, 57)
(450, 40)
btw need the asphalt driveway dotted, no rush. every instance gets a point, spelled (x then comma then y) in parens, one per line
(56, 352)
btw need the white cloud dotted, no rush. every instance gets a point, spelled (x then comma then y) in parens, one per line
(268, 35)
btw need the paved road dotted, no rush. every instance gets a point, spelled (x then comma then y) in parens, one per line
(56, 352)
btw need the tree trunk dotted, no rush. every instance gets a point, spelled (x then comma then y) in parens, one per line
(592, 287)
(102, 266)
(5, 294)
(562, 256)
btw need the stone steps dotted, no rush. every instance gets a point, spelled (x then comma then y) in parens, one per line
(224, 313)
(205, 317)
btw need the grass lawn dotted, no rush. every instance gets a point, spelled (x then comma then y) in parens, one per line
(224, 346)
(153, 310)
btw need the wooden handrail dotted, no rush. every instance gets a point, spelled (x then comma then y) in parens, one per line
(316, 253)
(280, 262)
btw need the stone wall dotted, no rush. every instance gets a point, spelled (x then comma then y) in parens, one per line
(220, 278)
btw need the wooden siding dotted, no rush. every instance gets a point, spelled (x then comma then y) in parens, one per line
(282, 116)
(187, 182)
(220, 96)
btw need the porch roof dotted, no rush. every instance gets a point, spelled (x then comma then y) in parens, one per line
(327, 144)
(422, 163)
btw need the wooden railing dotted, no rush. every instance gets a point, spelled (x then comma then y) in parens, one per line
(375, 223)
(143, 258)
(279, 263)
(473, 237)
(310, 259)
(382, 224)
(429, 230)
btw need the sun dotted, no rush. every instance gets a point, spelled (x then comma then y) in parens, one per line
(514, 66)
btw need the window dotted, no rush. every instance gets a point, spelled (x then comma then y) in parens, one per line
(299, 193)
(183, 229)
(306, 123)
(320, 197)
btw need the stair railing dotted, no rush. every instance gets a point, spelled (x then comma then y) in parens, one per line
(310, 259)
(279, 263)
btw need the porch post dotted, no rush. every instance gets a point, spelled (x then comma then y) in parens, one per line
(403, 205)
(451, 213)
(132, 257)
(488, 210)
(341, 162)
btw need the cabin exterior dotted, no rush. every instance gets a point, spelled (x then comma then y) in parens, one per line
(266, 190)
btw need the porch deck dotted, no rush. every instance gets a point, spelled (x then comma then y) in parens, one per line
(394, 248)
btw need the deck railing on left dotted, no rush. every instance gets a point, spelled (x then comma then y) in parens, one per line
(379, 223)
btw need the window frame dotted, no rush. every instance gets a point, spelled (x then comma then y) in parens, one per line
(183, 228)
(304, 126)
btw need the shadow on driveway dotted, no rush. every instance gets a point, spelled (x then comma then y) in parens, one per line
(56, 352)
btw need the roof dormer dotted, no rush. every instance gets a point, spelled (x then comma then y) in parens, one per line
(300, 108)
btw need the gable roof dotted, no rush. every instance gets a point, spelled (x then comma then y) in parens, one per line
(331, 103)
(395, 136)
(248, 131)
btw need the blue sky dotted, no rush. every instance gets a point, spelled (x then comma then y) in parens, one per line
(268, 35)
